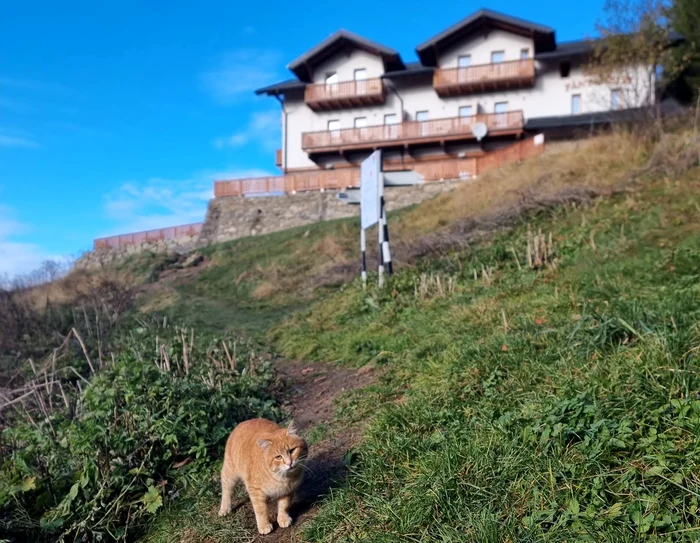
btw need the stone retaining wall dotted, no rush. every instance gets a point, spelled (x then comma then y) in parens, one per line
(236, 217)
(231, 218)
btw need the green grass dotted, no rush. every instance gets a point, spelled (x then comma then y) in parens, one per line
(577, 418)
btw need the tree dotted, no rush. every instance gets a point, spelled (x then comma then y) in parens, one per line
(684, 17)
(633, 49)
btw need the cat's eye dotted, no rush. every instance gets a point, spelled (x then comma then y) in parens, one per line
(291, 451)
(278, 457)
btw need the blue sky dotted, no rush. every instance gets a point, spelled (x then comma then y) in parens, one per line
(117, 116)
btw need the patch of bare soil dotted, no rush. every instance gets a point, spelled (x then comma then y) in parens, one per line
(309, 390)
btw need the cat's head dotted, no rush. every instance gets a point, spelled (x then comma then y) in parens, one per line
(285, 452)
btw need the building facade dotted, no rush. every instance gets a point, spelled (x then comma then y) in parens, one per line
(351, 95)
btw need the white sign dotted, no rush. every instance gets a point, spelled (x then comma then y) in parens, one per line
(539, 139)
(370, 176)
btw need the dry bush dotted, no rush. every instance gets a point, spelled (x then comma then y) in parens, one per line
(331, 248)
(266, 289)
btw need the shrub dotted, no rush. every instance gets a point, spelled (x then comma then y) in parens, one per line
(133, 439)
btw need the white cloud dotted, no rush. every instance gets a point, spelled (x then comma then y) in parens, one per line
(17, 257)
(264, 128)
(239, 73)
(7, 140)
(159, 203)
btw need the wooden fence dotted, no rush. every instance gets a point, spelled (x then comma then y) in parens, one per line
(173, 232)
(341, 178)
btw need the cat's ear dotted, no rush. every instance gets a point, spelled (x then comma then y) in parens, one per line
(293, 429)
(264, 443)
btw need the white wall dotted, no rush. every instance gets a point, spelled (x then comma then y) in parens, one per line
(550, 96)
(480, 48)
(345, 64)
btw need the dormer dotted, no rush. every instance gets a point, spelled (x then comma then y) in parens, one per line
(487, 51)
(345, 70)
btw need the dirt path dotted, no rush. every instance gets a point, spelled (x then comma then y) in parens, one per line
(308, 393)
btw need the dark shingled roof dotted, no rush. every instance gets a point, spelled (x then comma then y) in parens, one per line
(282, 87)
(411, 69)
(568, 49)
(337, 41)
(544, 35)
(668, 108)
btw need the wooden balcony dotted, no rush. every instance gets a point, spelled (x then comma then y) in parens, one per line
(485, 77)
(412, 132)
(278, 158)
(366, 92)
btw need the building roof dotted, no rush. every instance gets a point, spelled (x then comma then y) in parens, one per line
(543, 35)
(586, 46)
(569, 49)
(667, 107)
(411, 69)
(303, 65)
(282, 87)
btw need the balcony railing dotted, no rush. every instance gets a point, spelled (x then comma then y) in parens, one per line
(431, 170)
(501, 75)
(345, 94)
(149, 236)
(436, 130)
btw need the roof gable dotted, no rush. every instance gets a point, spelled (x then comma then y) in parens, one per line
(303, 66)
(485, 18)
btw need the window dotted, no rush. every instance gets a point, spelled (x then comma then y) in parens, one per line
(334, 129)
(524, 54)
(565, 68)
(501, 117)
(464, 61)
(422, 117)
(391, 120)
(575, 104)
(615, 99)
(465, 111)
(497, 56)
(360, 122)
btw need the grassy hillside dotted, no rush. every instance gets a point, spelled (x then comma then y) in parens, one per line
(559, 402)
(538, 351)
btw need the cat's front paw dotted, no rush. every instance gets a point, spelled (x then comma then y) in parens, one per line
(284, 520)
(223, 511)
(265, 529)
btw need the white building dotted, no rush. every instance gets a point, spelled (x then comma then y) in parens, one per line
(352, 95)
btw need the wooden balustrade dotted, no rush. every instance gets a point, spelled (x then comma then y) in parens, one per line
(412, 132)
(345, 94)
(499, 75)
(431, 170)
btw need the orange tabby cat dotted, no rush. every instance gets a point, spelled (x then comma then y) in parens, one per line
(270, 462)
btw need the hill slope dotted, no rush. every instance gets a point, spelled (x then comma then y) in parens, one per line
(544, 397)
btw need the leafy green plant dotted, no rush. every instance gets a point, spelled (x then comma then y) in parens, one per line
(139, 430)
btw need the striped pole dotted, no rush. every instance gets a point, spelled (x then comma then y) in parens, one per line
(363, 248)
(386, 251)
(380, 230)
